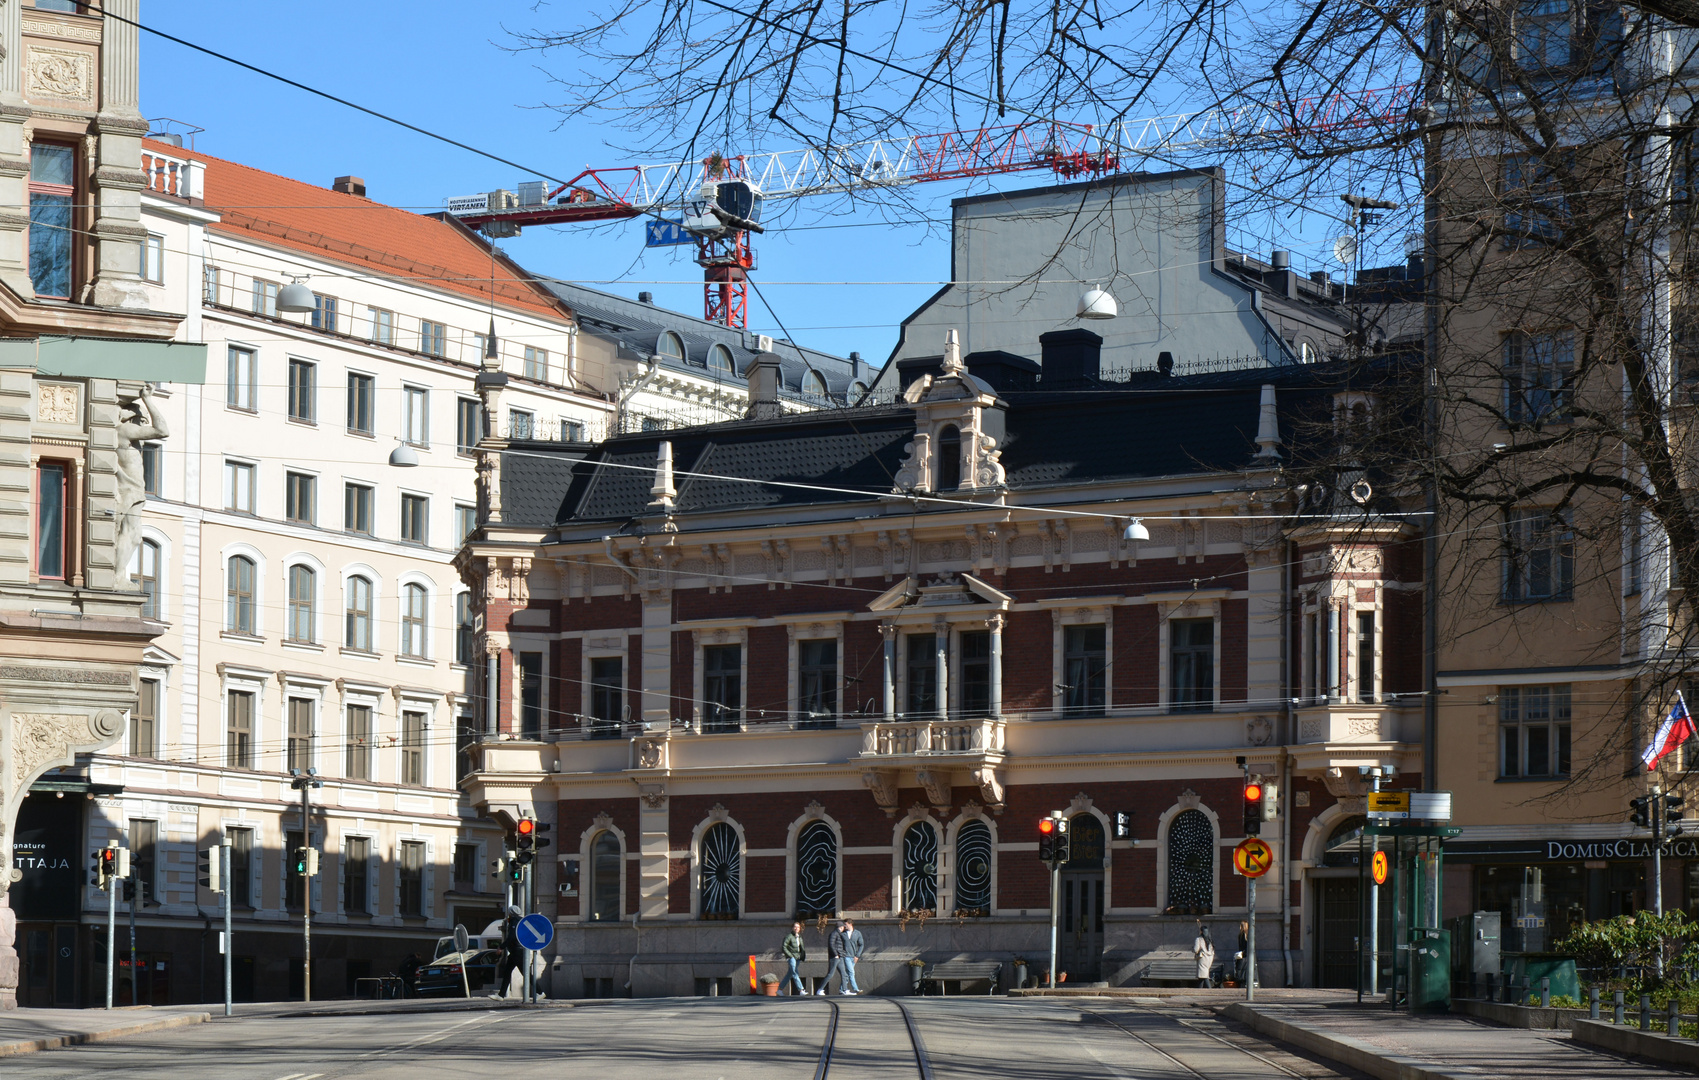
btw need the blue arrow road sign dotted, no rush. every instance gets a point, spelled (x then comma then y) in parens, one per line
(534, 932)
(665, 234)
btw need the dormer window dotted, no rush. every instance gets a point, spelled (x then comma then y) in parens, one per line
(720, 360)
(813, 385)
(949, 458)
(671, 346)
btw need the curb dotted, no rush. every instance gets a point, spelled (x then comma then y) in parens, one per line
(78, 1038)
(1344, 1049)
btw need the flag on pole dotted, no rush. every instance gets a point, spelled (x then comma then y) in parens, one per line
(1676, 729)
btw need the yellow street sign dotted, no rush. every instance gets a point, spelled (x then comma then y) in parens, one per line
(1253, 857)
(1389, 804)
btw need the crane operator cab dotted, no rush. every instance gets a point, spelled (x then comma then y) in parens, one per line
(724, 206)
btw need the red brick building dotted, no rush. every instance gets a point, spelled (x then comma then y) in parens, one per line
(842, 663)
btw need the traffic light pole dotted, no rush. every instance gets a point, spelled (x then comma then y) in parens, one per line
(1374, 910)
(229, 941)
(1658, 813)
(306, 901)
(135, 900)
(1251, 939)
(525, 906)
(1055, 910)
(111, 933)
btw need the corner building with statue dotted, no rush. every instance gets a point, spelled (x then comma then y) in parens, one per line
(841, 663)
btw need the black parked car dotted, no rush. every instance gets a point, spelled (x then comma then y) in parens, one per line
(442, 975)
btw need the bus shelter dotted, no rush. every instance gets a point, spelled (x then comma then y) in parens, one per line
(1413, 884)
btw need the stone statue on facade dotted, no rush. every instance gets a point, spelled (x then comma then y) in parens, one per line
(139, 423)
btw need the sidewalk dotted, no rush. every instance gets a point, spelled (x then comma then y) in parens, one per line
(1398, 1046)
(25, 1031)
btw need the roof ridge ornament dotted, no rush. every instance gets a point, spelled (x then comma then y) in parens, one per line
(953, 353)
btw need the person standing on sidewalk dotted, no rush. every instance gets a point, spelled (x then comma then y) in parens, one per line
(794, 953)
(835, 953)
(1203, 948)
(854, 946)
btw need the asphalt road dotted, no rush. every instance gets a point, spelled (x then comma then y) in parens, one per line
(704, 1039)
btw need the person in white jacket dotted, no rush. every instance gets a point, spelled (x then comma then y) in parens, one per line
(1203, 948)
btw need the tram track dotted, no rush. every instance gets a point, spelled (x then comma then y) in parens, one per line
(823, 1069)
(1283, 1069)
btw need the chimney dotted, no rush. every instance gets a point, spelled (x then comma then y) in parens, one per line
(645, 298)
(1070, 357)
(1165, 364)
(1268, 424)
(764, 388)
(349, 185)
(1281, 259)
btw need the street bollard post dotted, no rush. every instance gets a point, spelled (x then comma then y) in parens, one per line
(1645, 1012)
(1616, 1012)
(1592, 1003)
(1673, 1026)
(1545, 993)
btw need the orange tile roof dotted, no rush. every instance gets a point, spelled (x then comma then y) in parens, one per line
(360, 233)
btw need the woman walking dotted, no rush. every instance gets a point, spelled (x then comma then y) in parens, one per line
(1203, 948)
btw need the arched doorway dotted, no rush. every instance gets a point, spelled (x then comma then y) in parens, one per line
(1337, 915)
(1080, 935)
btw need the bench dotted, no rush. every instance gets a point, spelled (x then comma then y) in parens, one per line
(1167, 966)
(962, 971)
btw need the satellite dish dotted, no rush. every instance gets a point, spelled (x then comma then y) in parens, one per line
(1345, 250)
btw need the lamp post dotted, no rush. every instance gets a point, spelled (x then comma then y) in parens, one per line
(305, 782)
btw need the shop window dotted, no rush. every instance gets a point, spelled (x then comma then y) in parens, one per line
(1533, 726)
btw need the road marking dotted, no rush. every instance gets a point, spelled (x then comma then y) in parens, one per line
(427, 1039)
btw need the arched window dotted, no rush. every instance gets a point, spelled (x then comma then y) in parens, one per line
(857, 391)
(816, 870)
(1340, 831)
(147, 578)
(603, 892)
(671, 346)
(302, 582)
(813, 385)
(920, 867)
(1191, 864)
(239, 595)
(720, 361)
(1085, 842)
(413, 620)
(949, 458)
(973, 869)
(359, 620)
(721, 867)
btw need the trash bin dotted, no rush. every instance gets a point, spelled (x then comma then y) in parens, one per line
(1430, 970)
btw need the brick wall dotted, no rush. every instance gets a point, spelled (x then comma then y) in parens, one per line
(1137, 664)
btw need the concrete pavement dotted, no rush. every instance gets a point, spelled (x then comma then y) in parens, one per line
(27, 1031)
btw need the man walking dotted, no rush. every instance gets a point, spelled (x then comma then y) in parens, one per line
(835, 942)
(854, 946)
(794, 954)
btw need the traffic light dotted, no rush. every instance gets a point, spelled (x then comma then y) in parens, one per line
(1270, 801)
(1046, 839)
(212, 870)
(1253, 807)
(306, 861)
(497, 865)
(1672, 814)
(1641, 815)
(542, 828)
(1061, 845)
(121, 864)
(526, 842)
(105, 862)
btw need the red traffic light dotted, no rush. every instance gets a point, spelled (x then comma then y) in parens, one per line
(1253, 793)
(526, 826)
(1046, 825)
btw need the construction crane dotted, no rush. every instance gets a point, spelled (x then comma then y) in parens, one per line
(716, 203)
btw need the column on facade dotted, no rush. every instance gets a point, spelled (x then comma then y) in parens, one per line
(1266, 631)
(1335, 645)
(888, 631)
(995, 625)
(657, 658)
(119, 127)
(941, 642)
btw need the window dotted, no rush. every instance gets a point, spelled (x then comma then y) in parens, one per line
(303, 391)
(357, 755)
(571, 431)
(1539, 560)
(357, 634)
(1191, 664)
(239, 487)
(1543, 34)
(241, 378)
(153, 259)
(52, 187)
(949, 458)
(361, 390)
(973, 868)
(920, 867)
(1537, 373)
(480, 346)
(817, 682)
(536, 363)
(607, 693)
(265, 298)
(1533, 731)
(519, 423)
(357, 502)
(294, 885)
(413, 607)
(415, 513)
(720, 865)
(467, 412)
(465, 520)
(356, 858)
(413, 748)
(922, 683)
(466, 867)
(416, 415)
(302, 582)
(530, 665)
(433, 337)
(239, 730)
(1365, 656)
(147, 578)
(813, 385)
(239, 595)
(241, 867)
(209, 284)
(300, 498)
(144, 721)
(144, 861)
(300, 746)
(1085, 669)
(720, 361)
(857, 391)
(722, 688)
(816, 870)
(1191, 864)
(153, 469)
(383, 326)
(1533, 201)
(671, 346)
(324, 313)
(603, 892)
(412, 878)
(463, 636)
(974, 695)
(51, 550)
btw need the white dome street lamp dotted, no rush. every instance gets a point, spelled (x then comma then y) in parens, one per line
(295, 298)
(1097, 303)
(1135, 530)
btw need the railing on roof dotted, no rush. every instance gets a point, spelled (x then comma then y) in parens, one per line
(179, 177)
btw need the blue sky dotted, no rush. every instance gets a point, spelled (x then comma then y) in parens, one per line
(839, 279)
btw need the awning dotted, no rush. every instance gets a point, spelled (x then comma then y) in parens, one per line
(73, 786)
(107, 358)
